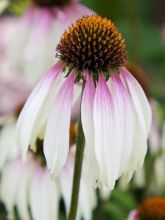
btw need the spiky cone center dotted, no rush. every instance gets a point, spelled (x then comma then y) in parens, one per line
(152, 209)
(93, 43)
(51, 3)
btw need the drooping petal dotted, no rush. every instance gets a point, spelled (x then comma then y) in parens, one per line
(87, 196)
(15, 53)
(10, 184)
(139, 99)
(6, 143)
(22, 199)
(41, 25)
(103, 125)
(123, 120)
(44, 196)
(33, 114)
(139, 149)
(56, 141)
(43, 57)
(141, 123)
(87, 200)
(139, 178)
(87, 106)
(159, 171)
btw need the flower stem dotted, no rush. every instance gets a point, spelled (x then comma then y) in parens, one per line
(77, 172)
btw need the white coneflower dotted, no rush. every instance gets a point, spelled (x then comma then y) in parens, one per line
(13, 92)
(115, 113)
(39, 29)
(33, 188)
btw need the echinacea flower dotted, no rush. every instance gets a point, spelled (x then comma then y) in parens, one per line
(39, 29)
(150, 209)
(33, 188)
(13, 92)
(115, 112)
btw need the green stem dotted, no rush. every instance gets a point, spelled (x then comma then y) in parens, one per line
(77, 172)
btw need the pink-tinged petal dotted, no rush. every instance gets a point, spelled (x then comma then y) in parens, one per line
(42, 24)
(123, 122)
(82, 10)
(133, 215)
(76, 102)
(154, 137)
(43, 55)
(56, 141)
(13, 92)
(15, 53)
(33, 115)
(104, 131)
(7, 26)
(141, 123)
(139, 99)
(44, 196)
(87, 106)
(163, 137)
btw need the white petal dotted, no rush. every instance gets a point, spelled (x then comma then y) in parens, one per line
(41, 25)
(8, 191)
(56, 141)
(87, 200)
(141, 123)
(7, 143)
(87, 106)
(22, 199)
(87, 196)
(15, 53)
(123, 120)
(139, 99)
(44, 196)
(103, 124)
(139, 149)
(33, 114)
(139, 178)
(159, 171)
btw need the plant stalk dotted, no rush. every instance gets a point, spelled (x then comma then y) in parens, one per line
(80, 143)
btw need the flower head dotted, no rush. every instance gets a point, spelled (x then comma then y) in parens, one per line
(39, 28)
(33, 188)
(151, 209)
(115, 112)
(93, 43)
